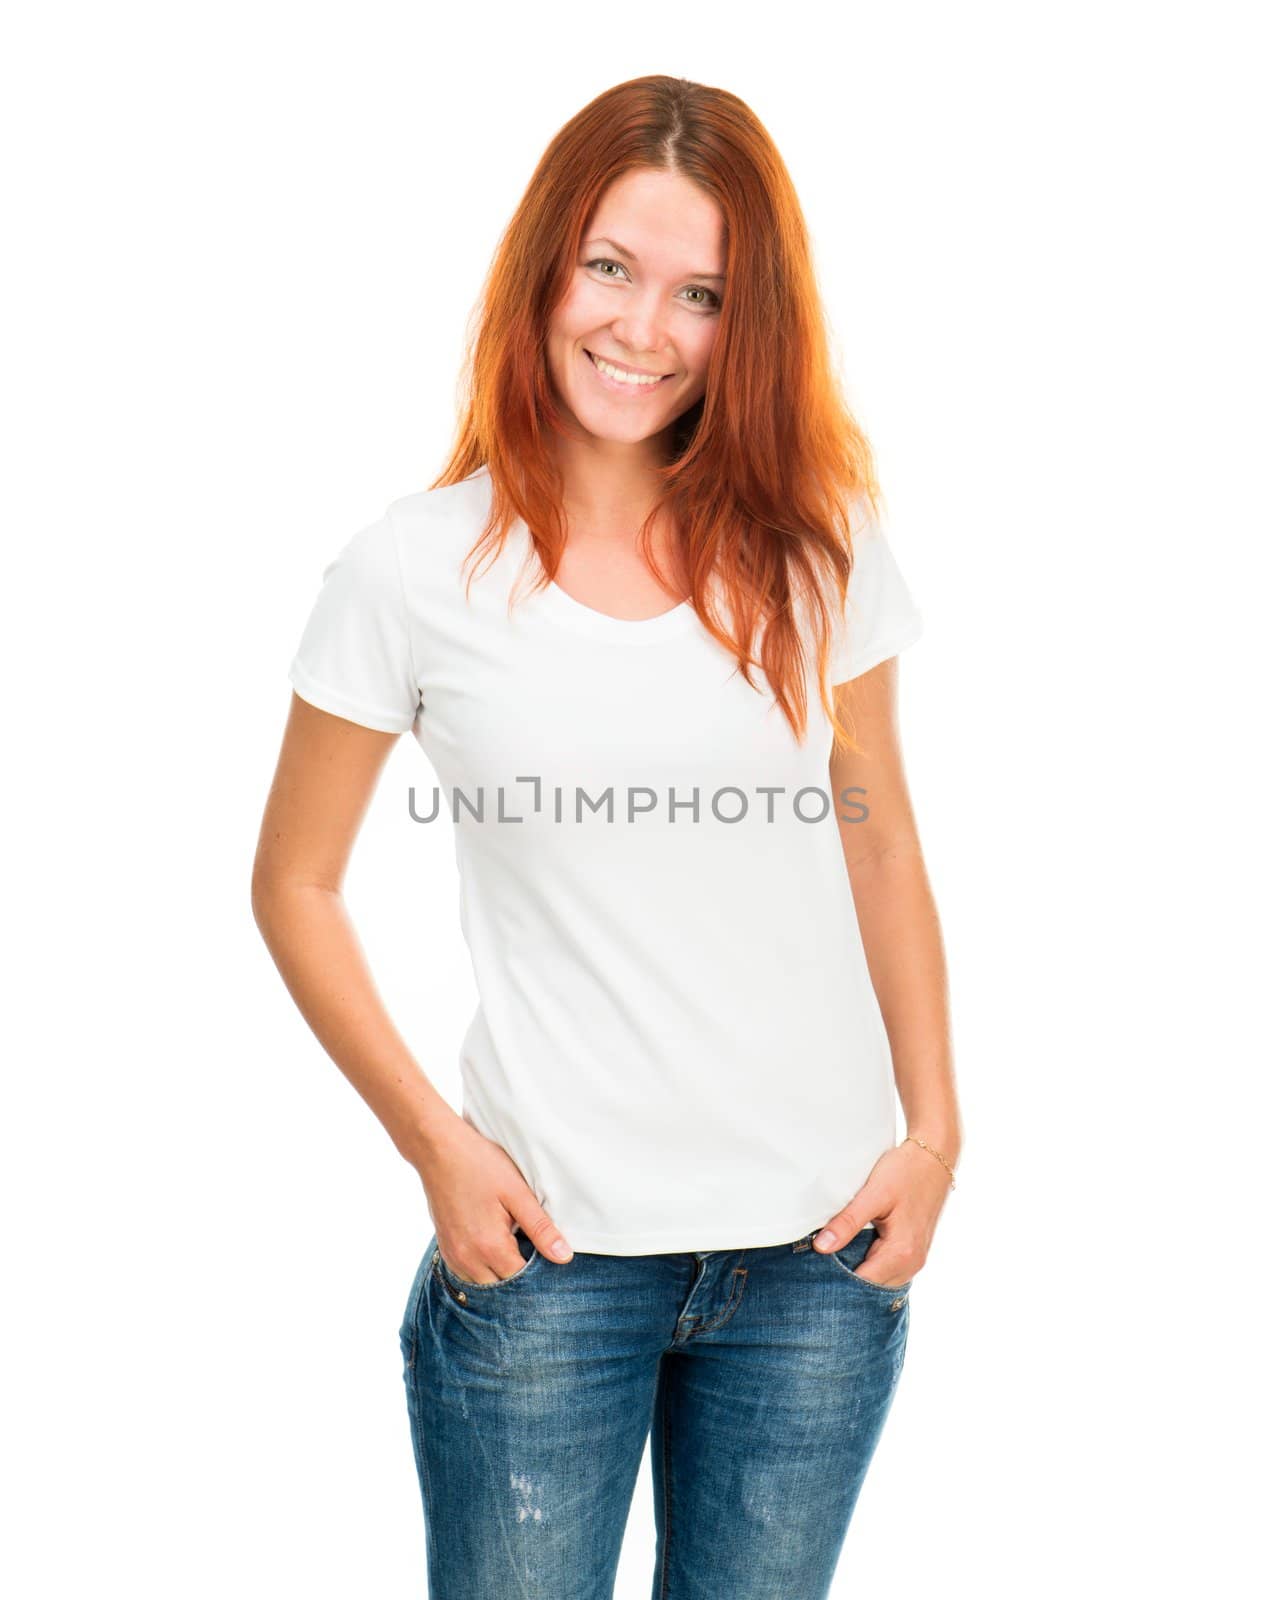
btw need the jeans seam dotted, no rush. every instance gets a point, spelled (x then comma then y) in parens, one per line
(738, 1284)
(410, 1322)
(412, 1401)
(665, 1486)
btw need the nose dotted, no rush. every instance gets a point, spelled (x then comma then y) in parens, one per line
(640, 331)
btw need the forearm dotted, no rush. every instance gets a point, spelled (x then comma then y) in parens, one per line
(315, 948)
(904, 947)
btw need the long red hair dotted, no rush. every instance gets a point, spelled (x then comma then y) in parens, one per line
(768, 466)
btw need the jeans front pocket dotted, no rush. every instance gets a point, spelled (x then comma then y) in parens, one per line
(460, 1288)
(849, 1257)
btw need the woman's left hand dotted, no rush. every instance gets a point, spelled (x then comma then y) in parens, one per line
(903, 1197)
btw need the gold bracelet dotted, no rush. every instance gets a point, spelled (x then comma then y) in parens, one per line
(908, 1136)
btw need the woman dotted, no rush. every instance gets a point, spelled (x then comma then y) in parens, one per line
(673, 1201)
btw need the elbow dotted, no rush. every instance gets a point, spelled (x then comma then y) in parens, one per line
(265, 895)
(885, 854)
(259, 900)
(275, 895)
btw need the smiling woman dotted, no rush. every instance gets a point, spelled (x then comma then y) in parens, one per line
(664, 267)
(673, 1198)
(628, 347)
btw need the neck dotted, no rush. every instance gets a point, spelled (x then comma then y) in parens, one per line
(609, 488)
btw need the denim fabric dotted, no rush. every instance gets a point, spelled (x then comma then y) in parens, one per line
(764, 1377)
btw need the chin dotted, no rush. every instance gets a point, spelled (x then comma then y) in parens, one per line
(611, 432)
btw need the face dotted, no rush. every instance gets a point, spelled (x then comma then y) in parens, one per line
(628, 346)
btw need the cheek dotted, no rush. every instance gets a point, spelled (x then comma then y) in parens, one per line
(698, 348)
(563, 336)
(582, 311)
(695, 346)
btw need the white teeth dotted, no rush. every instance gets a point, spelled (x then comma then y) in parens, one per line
(622, 377)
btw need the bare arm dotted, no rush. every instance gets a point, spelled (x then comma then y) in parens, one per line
(899, 926)
(326, 775)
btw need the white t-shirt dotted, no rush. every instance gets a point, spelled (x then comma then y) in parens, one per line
(677, 1040)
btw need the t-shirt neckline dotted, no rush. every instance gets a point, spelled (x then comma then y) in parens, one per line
(562, 608)
(566, 609)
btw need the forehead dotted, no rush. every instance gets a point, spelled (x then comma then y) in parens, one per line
(666, 220)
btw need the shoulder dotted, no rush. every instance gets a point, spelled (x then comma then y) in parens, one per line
(881, 616)
(866, 525)
(419, 535)
(873, 553)
(452, 511)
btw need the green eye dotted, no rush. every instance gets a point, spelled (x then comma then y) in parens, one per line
(711, 303)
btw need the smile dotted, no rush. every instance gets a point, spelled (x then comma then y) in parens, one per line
(617, 378)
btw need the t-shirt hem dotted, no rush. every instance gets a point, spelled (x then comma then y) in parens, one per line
(729, 1236)
(340, 705)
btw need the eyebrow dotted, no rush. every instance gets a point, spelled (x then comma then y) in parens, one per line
(631, 256)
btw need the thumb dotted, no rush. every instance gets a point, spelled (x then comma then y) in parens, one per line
(843, 1226)
(542, 1232)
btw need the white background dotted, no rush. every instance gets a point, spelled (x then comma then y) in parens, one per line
(244, 241)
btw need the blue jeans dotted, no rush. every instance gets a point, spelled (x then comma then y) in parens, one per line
(763, 1375)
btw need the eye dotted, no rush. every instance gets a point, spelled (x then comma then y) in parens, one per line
(604, 261)
(711, 303)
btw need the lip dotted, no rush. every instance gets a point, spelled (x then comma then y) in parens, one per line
(616, 387)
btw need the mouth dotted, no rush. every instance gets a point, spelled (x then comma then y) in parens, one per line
(617, 378)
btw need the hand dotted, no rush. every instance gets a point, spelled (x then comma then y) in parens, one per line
(903, 1197)
(476, 1195)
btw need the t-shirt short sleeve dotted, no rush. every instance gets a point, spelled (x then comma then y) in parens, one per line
(881, 616)
(354, 658)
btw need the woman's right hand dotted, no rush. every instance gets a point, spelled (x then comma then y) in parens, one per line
(477, 1196)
